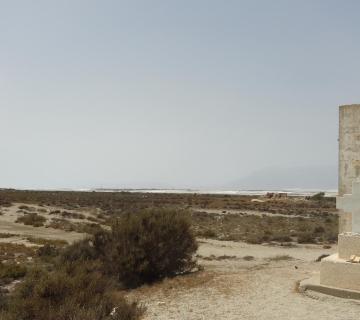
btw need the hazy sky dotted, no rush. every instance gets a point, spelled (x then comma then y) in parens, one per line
(171, 93)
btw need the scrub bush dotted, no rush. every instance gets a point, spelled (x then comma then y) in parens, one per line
(149, 246)
(33, 219)
(140, 248)
(67, 293)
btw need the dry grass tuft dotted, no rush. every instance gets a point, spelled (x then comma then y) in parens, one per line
(32, 219)
(284, 257)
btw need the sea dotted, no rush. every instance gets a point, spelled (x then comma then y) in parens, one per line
(289, 192)
(249, 192)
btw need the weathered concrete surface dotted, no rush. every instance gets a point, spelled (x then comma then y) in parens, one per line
(350, 203)
(348, 245)
(349, 146)
(349, 156)
(345, 221)
(313, 284)
(339, 273)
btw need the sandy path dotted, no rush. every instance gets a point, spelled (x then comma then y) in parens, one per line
(247, 290)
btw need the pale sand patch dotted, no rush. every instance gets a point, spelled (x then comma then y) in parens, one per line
(235, 289)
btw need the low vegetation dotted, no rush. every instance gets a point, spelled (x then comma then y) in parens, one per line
(83, 280)
(152, 237)
(16, 253)
(150, 246)
(218, 258)
(317, 228)
(115, 203)
(281, 258)
(10, 272)
(32, 219)
(141, 248)
(318, 196)
(66, 293)
(81, 227)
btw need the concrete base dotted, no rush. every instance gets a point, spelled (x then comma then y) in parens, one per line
(339, 273)
(348, 245)
(313, 284)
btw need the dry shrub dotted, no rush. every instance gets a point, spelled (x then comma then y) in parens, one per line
(67, 293)
(284, 257)
(32, 219)
(10, 272)
(141, 248)
(319, 229)
(318, 197)
(27, 208)
(81, 227)
(48, 250)
(307, 237)
(207, 233)
(80, 251)
(249, 258)
(281, 238)
(149, 246)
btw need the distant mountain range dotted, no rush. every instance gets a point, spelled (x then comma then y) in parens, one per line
(276, 178)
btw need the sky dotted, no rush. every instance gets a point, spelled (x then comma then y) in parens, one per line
(176, 94)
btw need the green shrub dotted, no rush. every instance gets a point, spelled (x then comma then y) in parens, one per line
(148, 246)
(140, 248)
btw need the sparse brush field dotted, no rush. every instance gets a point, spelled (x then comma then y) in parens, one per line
(315, 228)
(139, 251)
(220, 217)
(117, 202)
(32, 219)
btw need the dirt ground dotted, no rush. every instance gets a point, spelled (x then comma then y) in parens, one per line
(231, 287)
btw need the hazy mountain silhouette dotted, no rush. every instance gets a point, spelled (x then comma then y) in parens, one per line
(305, 177)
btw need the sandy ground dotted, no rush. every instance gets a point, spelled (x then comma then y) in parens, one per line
(233, 288)
(9, 226)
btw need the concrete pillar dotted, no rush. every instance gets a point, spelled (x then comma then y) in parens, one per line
(349, 156)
